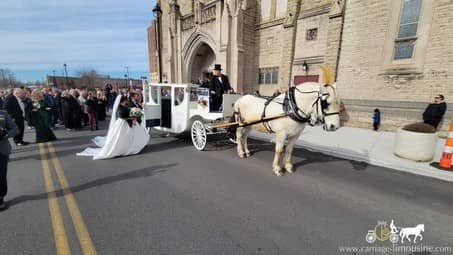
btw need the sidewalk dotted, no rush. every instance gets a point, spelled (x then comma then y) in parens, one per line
(375, 148)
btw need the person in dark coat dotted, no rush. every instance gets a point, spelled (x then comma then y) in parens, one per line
(59, 106)
(435, 111)
(50, 101)
(75, 110)
(28, 108)
(135, 100)
(101, 107)
(108, 96)
(376, 119)
(124, 110)
(217, 87)
(8, 129)
(16, 109)
(65, 111)
(91, 104)
(41, 118)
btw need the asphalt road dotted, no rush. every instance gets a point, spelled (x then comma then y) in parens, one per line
(172, 199)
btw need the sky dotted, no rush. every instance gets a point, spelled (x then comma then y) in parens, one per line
(39, 36)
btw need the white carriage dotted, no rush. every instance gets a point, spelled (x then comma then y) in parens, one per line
(179, 108)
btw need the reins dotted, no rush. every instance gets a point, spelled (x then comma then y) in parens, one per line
(291, 109)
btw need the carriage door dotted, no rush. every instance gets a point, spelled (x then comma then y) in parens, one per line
(166, 112)
(151, 105)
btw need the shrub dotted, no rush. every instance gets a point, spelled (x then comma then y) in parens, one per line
(420, 128)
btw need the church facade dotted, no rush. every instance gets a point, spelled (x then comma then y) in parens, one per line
(395, 55)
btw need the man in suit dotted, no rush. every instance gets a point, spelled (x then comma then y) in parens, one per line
(7, 129)
(135, 100)
(15, 107)
(218, 85)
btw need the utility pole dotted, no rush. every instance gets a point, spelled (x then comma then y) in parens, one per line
(127, 77)
(54, 80)
(65, 75)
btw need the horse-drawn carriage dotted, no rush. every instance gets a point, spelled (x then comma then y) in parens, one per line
(179, 108)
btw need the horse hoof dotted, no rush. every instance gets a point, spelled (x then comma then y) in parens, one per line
(247, 155)
(278, 173)
(289, 169)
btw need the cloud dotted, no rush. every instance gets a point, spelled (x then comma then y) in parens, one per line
(105, 34)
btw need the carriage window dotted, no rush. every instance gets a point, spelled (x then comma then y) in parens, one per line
(193, 95)
(165, 92)
(154, 93)
(179, 96)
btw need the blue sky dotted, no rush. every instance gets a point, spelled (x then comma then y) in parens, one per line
(38, 36)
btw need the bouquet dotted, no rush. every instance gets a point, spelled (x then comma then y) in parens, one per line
(136, 112)
(36, 106)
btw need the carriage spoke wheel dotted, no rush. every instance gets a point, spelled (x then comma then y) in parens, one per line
(199, 137)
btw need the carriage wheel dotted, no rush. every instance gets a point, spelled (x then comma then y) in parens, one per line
(199, 137)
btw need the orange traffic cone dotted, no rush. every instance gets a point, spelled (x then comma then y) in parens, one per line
(445, 161)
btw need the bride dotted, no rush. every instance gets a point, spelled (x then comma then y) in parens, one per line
(125, 136)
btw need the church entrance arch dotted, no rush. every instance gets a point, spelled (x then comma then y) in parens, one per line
(201, 63)
(199, 57)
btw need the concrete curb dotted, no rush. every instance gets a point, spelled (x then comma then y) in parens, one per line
(371, 155)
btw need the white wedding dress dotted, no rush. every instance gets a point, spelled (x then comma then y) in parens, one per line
(121, 139)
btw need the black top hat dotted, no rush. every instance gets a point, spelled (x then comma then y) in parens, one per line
(218, 67)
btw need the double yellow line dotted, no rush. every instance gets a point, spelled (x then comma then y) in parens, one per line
(61, 240)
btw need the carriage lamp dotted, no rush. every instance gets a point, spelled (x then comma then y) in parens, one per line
(305, 66)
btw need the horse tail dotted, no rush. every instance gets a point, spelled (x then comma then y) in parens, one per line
(327, 74)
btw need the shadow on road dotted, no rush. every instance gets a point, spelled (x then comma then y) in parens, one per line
(308, 157)
(139, 173)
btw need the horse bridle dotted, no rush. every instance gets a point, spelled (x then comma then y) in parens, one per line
(321, 100)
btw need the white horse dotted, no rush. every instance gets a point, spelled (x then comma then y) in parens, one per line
(312, 100)
(406, 232)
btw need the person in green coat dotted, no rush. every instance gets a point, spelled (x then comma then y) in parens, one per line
(40, 117)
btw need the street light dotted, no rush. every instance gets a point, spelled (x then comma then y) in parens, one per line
(127, 76)
(157, 11)
(54, 79)
(65, 75)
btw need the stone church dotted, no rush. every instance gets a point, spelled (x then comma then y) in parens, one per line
(395, 55)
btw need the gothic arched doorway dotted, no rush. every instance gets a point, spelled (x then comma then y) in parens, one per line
(202, 62)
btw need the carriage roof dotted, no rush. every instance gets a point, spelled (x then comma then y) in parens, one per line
(174, 85)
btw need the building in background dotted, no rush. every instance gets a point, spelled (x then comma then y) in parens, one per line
(62, 82)
(393, 55)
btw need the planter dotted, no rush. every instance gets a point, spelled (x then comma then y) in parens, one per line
(415, 146)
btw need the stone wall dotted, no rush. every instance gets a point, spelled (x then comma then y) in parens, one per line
(363, 75)
(249, 43)
(362, 47)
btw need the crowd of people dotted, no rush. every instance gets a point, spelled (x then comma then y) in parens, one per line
(46, 108)
(49, 108)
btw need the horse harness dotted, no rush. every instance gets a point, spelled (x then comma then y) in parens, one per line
(291, 109)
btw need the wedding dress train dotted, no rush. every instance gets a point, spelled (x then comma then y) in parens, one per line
(121, 139)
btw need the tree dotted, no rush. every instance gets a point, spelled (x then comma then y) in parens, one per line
(8, 79)
(88, 78)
